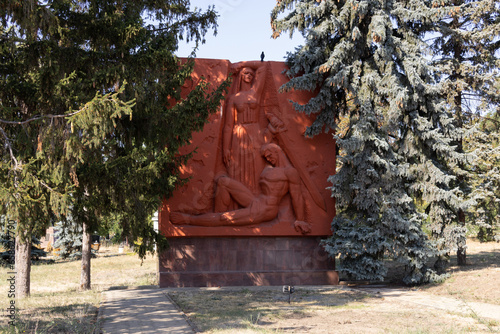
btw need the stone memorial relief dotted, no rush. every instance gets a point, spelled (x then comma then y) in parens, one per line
(275, 182)
(253, 172)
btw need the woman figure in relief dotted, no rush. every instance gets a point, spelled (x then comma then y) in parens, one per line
(242, 134)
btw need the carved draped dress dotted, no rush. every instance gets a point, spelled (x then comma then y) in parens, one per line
(245, 144)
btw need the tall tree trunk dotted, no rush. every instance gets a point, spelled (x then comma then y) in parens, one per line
(462, 247)
(459, 114)
(461, 256)
(23, 263)
(86, 254)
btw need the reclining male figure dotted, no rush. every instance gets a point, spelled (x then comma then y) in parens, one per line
(274, 183)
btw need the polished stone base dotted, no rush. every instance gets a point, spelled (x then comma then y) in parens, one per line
(240, 261)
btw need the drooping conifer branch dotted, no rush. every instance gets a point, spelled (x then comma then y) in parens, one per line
(9, 147)
(39, 117)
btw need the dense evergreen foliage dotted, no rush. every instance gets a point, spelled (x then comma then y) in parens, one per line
(465, 48)
(89, 121)
(366, 61)
(485, 143)
(67, 239)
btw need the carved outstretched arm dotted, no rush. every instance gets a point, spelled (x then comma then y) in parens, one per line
(259, 68)
(255, 65)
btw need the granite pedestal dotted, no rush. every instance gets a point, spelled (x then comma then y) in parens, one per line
(242, 261)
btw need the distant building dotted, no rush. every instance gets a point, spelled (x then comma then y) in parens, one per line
(49, 237)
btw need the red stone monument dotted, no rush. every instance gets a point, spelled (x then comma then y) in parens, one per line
(256, 205)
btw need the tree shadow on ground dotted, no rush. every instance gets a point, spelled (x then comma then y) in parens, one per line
(245, 307)
(478, 261)
(74, 318)
(475, 261)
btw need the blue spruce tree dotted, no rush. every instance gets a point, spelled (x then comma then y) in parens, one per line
(365, 60)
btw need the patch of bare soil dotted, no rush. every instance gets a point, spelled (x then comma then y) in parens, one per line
(467, 302)
(479, 280)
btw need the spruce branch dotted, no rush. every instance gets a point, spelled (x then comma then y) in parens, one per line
(47, 186)
(489, 119)
(38, 117)
(109, 96)
(9, 146)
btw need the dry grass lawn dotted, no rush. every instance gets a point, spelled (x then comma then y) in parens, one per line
(347, 310)
(56, 305)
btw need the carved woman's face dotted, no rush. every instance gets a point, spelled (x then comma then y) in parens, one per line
(247, 74)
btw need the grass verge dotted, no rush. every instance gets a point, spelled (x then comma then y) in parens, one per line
(240, 309)
(57, 306)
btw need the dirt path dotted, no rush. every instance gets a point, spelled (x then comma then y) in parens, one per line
(467, 302)
(422, 299)
(390, 310)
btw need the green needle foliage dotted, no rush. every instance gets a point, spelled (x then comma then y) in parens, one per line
(365, 60)
(465, 46)
(91, 117)
(486, 177)
(68, 239)
(466, 50)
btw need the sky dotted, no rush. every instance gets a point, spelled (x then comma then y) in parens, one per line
(244, 32)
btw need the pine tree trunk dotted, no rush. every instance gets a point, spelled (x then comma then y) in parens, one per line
(86, 252)
(456, 75)
(23, 263)
(441, 264)
(461, 256)
(461, 248)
